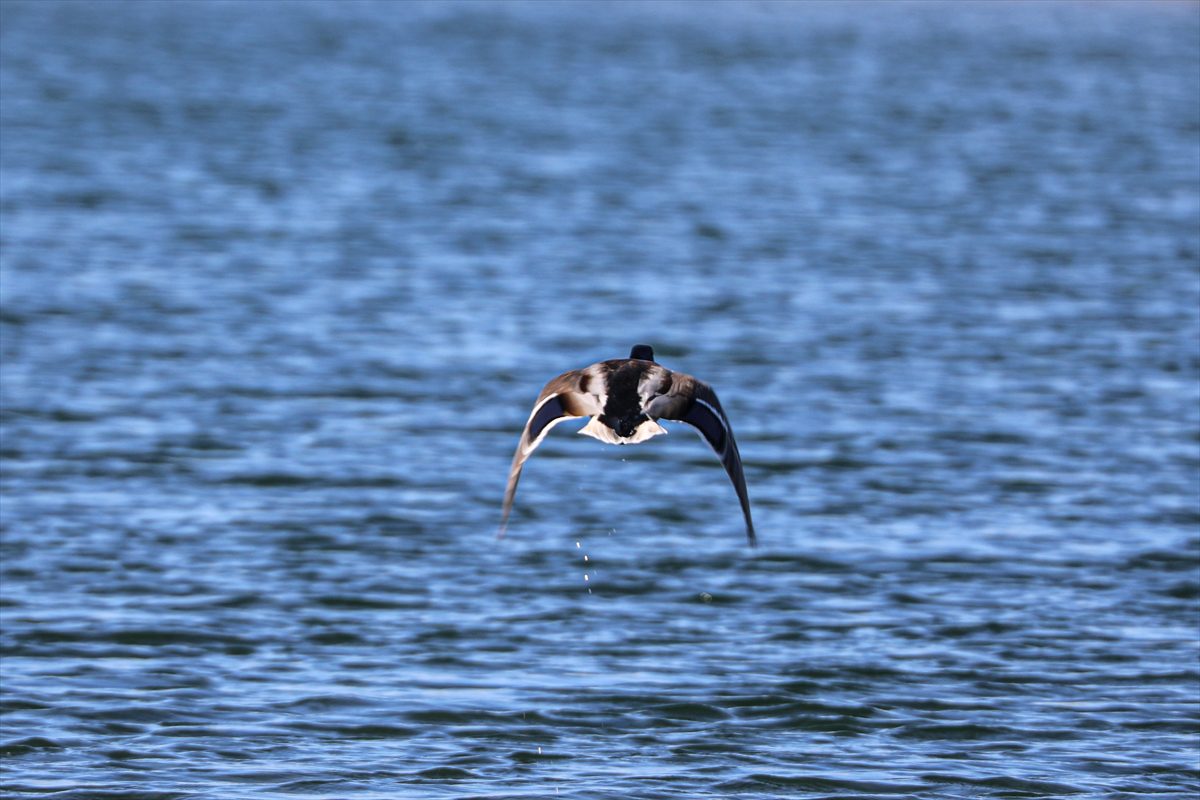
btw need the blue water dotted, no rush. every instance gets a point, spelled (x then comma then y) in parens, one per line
(280, 284)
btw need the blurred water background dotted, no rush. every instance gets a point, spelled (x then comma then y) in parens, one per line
(281, 282)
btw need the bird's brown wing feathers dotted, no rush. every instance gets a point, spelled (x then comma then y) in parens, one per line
(694, 402)
(561, 399)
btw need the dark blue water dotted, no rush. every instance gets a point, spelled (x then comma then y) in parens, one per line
(280, 284)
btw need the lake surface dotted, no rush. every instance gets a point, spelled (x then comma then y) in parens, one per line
(281, 283)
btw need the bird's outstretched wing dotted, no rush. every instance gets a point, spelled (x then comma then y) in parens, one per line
(693, 401)
(563, 398)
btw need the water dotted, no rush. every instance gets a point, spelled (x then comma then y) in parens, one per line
(280, 284)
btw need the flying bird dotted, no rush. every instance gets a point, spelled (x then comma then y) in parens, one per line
(625, 398)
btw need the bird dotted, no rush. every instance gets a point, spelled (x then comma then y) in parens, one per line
(625, 398)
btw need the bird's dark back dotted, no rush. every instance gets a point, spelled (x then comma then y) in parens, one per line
(622, 378)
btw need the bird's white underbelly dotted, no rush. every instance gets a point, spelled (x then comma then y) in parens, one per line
(598, 430)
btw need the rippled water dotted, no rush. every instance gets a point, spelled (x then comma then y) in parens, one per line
(281, 282)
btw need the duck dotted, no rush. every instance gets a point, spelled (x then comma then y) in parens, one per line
(624, 399)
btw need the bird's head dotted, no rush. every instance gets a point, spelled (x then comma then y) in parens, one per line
(642, 352)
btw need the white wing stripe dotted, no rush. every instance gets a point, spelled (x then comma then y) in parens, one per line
(525, 451)
(720, 417)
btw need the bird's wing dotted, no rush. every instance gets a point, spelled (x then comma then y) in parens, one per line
(565, 397)
(686, 399)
